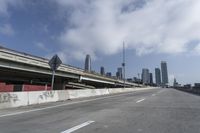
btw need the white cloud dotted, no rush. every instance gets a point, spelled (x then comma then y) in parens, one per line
(7, 29)
(196, 50)
(158, 26)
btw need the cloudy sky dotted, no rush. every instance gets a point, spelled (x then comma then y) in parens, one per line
(153, 30)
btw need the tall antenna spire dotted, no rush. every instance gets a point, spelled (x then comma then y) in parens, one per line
(123, 64)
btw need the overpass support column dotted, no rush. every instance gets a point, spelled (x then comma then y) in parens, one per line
(59, 84)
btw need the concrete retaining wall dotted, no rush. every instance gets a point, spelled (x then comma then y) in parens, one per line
(16, 99)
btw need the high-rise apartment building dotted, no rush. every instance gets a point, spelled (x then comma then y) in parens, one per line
(88, 63)
(164, 73)
(119, 73)
(102, 70)
(158, 76)
(151, 78)
(145, 76)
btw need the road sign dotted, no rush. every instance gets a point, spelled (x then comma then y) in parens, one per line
(55, 62)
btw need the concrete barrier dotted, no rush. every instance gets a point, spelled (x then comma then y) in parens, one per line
(13, 99)
(63, 95)
(16, 99)
(37, 97)
(115, 90)
(102, 92)
(81, 93)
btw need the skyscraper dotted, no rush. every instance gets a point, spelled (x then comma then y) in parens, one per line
(164, 73)
(88, 63)
(158, 76)
(145, 76)
(102, 71)
(151, 78)
(119, 73)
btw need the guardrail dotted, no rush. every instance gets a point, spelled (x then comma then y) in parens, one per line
(190, 90)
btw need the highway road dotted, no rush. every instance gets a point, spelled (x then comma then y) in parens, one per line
(151, 111)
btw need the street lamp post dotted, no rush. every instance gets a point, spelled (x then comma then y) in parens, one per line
(138, 79)
(123, 64)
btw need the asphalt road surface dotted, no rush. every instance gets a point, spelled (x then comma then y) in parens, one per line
(150, 111)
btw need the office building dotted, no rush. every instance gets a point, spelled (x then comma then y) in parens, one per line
(109, 74)
(88, 63)
(119, 73)
(164, 73)
(102, 70)
(151, 78)
(145, 76)
(158, 76)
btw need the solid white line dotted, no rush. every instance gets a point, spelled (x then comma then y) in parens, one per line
(65, 104)
(140, 100)
(77, 127)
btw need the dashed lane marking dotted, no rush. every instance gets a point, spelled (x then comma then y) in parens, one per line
(78, 127)
(140, 100)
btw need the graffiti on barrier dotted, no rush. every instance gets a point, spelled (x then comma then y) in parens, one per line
(47, 94)
(7, 97)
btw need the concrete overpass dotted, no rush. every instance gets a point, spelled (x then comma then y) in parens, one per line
(24, 68)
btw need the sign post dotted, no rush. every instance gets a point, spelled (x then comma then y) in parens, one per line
(54, 63)
(52, 80)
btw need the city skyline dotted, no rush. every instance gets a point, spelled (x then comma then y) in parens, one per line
(56, 31)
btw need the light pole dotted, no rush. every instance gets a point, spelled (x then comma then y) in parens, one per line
(138, 79)
(123, 64)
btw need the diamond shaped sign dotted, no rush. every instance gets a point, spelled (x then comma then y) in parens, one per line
(55, 62)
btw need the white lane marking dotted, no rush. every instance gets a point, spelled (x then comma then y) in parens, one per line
(153, 95)
(140, 100)
(65, 104)
(77, 127)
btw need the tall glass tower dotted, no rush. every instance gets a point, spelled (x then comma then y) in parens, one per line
(151, 78)
(158, 76)
(88, 63)
(145, 76)
(164, 73)
(102, 70)
(120, 73)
